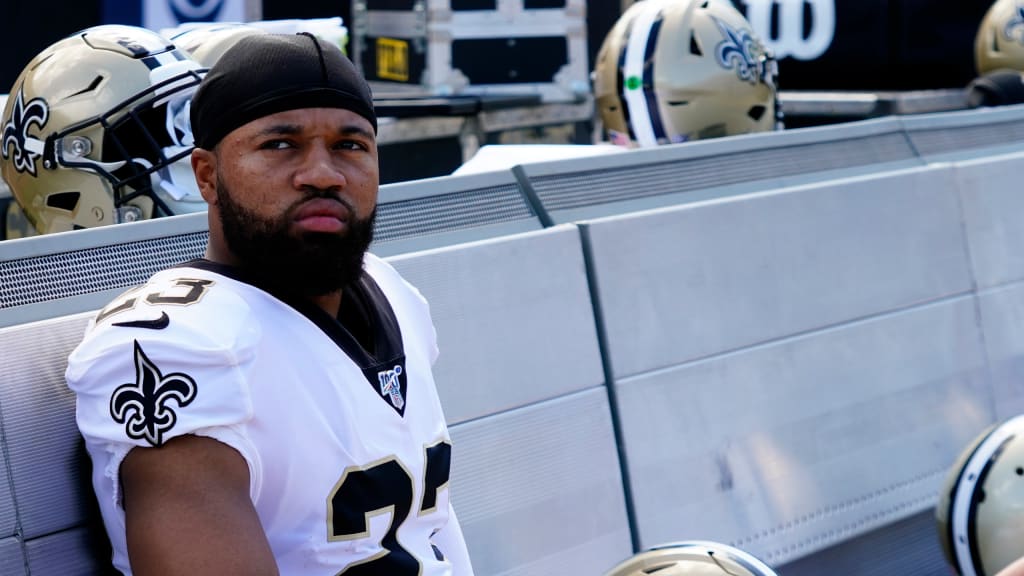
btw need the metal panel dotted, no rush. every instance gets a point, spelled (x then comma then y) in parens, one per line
(8, 515)
(788, 448)
(908, 547)
(576, 189)
(434, 212)
(971, 133)
(68, 552)
(1002, 319)
(685, 283)
(39, 424)
(514, 320)
(538, 491)
(12, 559)
(56, 266)
(990, 191)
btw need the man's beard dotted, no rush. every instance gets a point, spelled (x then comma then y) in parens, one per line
(309, 264)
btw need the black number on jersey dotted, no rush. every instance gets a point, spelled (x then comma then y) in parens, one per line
(379, 488)
(185, 291)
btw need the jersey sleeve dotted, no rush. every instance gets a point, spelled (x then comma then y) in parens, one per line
(152, 372)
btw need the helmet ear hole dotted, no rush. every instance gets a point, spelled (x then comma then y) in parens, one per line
(64, 200)
(756, 112)
(695, 48)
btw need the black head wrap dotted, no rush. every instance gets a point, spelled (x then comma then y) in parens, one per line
(265, 74)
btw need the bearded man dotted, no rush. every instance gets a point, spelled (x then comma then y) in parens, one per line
(270, 408)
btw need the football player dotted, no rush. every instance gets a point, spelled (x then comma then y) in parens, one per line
(692, 558)
(271, 408)
(95, 132)
(673, 71)
(980, 512)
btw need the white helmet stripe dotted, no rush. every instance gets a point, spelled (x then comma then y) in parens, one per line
(633, 67)
(961, 514)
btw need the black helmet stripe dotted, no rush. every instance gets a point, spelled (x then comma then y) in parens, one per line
(652, 98)
(972, 514)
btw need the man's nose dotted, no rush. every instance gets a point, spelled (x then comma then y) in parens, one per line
(319, 169)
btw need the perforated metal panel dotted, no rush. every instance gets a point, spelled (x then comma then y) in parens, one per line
(538, 491)
(960, 138)
(909, 547)
(448, 212)
(69, 552)
(64, 274)
(600, 185)
(12, 559)
(491, 298)
(38, 410)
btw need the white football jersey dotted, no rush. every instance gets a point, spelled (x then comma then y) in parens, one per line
(346, 444)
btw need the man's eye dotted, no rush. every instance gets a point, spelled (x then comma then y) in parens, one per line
(276, 145)
(350, 145)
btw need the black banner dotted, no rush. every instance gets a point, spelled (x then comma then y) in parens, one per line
(869, 44)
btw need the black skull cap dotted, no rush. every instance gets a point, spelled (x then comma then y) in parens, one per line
(264, 74)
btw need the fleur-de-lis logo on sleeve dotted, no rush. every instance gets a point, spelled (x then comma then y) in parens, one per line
(142, 405)
(26, 148)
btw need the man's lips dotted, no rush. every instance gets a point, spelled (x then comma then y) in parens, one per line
(322, 215)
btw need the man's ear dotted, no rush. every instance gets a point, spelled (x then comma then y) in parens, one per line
(204, 166)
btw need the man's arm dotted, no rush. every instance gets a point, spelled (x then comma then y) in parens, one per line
(188, 511)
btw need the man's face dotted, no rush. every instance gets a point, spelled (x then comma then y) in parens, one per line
(296, 196)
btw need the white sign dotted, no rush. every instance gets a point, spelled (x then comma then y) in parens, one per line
(160, 14)
(790, 40)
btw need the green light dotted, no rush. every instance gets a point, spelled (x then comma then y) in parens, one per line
(633, 83)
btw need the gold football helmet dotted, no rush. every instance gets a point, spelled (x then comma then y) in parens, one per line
(692, 558)
(1000, 40)
(980, 513)
(678, 70)
(94, 128)
(206, 44)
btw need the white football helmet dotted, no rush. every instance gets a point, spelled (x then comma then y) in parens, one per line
(677, 70)
(692, 558)
(980, 513)
(96, 131)
(207, 43)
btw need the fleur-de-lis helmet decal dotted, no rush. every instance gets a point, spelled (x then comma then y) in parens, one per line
(17, 144)
(144, 406)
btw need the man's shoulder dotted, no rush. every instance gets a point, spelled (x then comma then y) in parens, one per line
(184, 307)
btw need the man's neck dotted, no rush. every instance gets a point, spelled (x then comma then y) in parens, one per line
(329, 303)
